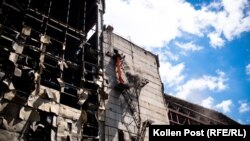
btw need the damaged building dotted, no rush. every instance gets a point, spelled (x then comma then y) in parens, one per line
(134, 88)
(64, 76)
(51, 72)
(182, 112)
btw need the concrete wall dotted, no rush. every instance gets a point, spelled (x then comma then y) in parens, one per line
(137, 62)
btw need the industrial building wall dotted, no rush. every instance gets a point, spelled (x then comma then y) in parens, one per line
(120, 122)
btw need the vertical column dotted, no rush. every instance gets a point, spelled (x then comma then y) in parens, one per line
(100, 61)
(82, 45)
(99, 26)
(62, 62)
(45, 40)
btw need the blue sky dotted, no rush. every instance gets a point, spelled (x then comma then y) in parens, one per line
(203, 46)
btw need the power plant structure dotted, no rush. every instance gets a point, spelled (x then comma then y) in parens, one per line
(181, 112)
(65, 76)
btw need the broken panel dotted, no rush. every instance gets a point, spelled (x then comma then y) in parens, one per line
(48, 66)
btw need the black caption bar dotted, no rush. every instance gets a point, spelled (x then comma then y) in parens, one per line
(199, 132)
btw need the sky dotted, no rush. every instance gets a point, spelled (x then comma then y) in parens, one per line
(203, 47)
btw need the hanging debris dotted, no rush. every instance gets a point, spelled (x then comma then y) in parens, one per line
(118, 64)
(50, 70)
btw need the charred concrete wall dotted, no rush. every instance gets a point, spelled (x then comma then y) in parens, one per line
(139, 68)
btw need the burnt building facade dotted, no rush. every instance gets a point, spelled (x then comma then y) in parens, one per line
(64, 76)
(51, 72)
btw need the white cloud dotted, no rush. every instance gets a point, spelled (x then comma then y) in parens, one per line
(166, 55)
(148, 23)
(235, 22)
(208, 102)
(170, 55)
(225, 105)
(199, 85)
(190, 46)
(171, 74)
(248, 69)
(244, 107)
(215, 40)
(152, 23)
(240, 121)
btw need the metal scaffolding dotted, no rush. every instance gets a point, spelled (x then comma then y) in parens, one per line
(130, 87)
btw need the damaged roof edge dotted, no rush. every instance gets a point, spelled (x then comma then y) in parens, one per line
(130, 42)
(157, 60)
(201, 108)
(104, 5)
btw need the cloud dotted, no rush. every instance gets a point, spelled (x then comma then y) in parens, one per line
(171, 74)
(148, 23)
(240, 121)
(248, 69)
(199, 85)
(153, 23)
(236, 20)
(244, 107)
(170, 56)
(166, 55)
(225, 106)
(215, 40)
(208, 102)
(190, 46)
